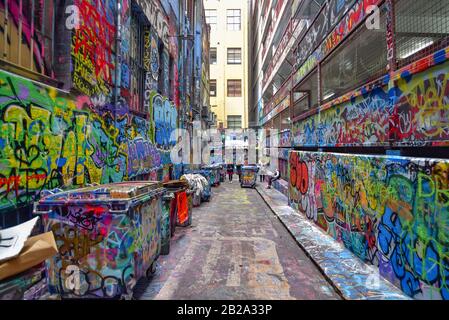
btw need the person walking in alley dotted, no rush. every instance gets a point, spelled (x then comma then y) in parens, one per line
(272, 178)
(230, 172)
(262, 171)
(239, 172)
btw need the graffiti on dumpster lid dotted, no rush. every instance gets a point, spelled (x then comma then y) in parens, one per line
(390, 211)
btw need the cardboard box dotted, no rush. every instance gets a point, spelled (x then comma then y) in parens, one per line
(35, 251)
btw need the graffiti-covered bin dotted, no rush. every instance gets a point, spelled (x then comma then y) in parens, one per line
(197, 184)
(177, 210)
(205, 185)
(108, 237)
(249, 176)
(27, 285)
(207, 191)
(214, 173)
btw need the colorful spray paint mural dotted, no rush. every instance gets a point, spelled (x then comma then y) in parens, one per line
(56, 139)
(50, 139)
(412, 110)
(93, 43)
(392, 212)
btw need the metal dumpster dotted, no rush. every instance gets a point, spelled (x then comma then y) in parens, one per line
(222, 173)
(108, 237)
(207, 188)
(205, 184)
(177, 210)
(249, 176)
(214, 174)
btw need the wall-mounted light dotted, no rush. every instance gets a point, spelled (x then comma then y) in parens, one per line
(421, 46)
(329, 95)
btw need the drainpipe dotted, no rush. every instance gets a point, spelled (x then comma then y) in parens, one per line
(117, 57)
(117, 60)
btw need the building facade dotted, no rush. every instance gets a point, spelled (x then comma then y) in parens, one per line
(358, 90)
(90, 91)
(229, 22)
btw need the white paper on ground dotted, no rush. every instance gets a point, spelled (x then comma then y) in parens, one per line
(13, 239)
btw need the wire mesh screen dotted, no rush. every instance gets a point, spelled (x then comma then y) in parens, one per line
(362, 58)
(305, 95)
(422, 26)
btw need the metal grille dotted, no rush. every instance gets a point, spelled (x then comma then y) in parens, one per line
(421, 27)
(363, 57)
(26, 34)
(137, 71)
(305, 95)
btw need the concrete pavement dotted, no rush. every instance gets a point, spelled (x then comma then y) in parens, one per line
(236, 248)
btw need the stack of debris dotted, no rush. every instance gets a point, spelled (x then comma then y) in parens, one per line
(23, 273)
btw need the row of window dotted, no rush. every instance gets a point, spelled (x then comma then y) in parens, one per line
(234, 88)
(234, 56)
(29, 36)
(233, 19)
(421, 28)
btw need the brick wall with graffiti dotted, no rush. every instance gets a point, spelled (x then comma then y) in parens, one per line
(392, 212)
(52, 138)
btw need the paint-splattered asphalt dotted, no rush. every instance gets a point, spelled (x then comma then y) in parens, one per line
(235, 249)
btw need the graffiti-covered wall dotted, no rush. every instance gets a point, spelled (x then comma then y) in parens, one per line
(113, 123)
(412, 110)
(392, 212)
(52, 139)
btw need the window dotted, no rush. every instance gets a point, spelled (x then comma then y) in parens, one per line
(234, 56)
(233, 19)
(213, 56)
(421, 27)
(137, 72)
(234, 88)
(305, 96)
(234, 122)
(211, 18)
(213, 88)
(29, 37)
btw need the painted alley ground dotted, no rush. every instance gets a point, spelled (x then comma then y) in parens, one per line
(236, 248)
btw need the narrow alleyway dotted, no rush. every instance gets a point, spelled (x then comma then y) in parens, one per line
(235, 249)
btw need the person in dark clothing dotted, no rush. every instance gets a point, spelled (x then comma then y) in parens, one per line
(230, 170)
(271, 179)
(239, 172)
